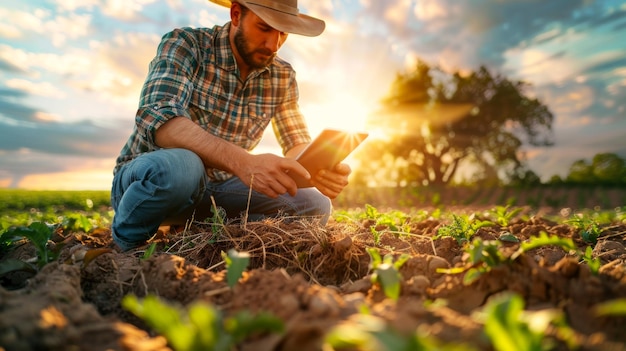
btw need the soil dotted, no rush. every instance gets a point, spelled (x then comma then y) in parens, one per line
(314, 279)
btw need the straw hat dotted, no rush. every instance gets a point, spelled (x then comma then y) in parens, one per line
(282, 15)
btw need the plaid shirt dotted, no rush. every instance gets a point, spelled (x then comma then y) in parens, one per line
(194, 75)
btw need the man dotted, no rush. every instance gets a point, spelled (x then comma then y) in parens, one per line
(208, 96)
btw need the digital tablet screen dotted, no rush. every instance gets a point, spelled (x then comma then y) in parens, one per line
(326, 151)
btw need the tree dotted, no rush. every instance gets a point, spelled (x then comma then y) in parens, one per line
(436, 120)
(580, 172)
(605, 168)
(609, 168)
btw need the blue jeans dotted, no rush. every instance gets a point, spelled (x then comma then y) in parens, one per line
(170, 186)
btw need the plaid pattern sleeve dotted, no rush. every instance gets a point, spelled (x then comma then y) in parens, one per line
(165, 93)
(194, 75)
(289, 125)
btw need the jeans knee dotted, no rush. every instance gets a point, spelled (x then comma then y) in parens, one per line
(180, 174)
(315, 204)
(323, 204)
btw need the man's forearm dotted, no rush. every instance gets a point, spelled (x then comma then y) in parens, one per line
(215, 152)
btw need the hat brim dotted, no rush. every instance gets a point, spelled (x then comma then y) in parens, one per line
(296, 24)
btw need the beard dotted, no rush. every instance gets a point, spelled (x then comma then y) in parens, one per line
(248, 55)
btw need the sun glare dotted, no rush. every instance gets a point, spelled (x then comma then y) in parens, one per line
(78, 180)
(343, 113)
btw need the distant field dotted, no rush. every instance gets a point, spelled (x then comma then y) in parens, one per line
(537, 197)
(84, 209)
(540, 196)
(16, 199)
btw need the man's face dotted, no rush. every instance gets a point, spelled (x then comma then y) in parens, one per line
(256, 42)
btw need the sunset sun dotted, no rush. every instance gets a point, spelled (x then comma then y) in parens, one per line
(343, 113)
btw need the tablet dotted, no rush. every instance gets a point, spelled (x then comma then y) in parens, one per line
(326, 151)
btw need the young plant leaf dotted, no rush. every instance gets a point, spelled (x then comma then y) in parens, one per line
(149, 251)
(13, 265)
(544, 240)
(389, 279)
(236, 264)
(201, 326)
(504, 327)
(38, 233)
(615, 307)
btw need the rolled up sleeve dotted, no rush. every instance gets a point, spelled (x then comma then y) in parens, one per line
(169, 84)
(289, 124)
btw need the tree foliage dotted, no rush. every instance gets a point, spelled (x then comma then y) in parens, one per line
(435, 121)
(604, 168)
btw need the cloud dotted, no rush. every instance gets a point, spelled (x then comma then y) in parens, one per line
(73, 5)
(79, 138)
(21, 24)
(467, 34)
(541, 67)
(29, 128)
(14, 112)
(41, 88)
(576, 144)
(115, 68)
(124, 10)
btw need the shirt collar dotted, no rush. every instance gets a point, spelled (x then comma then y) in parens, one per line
(224, 57)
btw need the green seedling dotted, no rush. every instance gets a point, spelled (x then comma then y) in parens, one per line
(589, 229)
(77, 222)
(149, 251)
(201, 327)
(544, 240)
(39, 235)
(594, 263)
(511, 328)
(616, 307)
(502, 214)
(393, 221)
(462, 228)
(386, 272)
(484, 255)
(370, 333)
(236, 264)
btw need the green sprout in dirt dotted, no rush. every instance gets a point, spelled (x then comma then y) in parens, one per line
(462, 228)
(503, 215)
(395, 222)
(484, 255)
(217, 219)
(149, 251)
(78, 222)
(236, 264)
(616, 307)
(201, 327)
(386, 272)
(593, 263)
(364, 332)
(589, 229)
(39, 234)
(511, 328)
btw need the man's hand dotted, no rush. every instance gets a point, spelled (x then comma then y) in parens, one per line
(267, 174)
(332, 182)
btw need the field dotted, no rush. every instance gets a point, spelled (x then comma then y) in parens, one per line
(461, 269)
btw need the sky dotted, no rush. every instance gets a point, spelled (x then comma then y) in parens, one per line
(71, 71)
